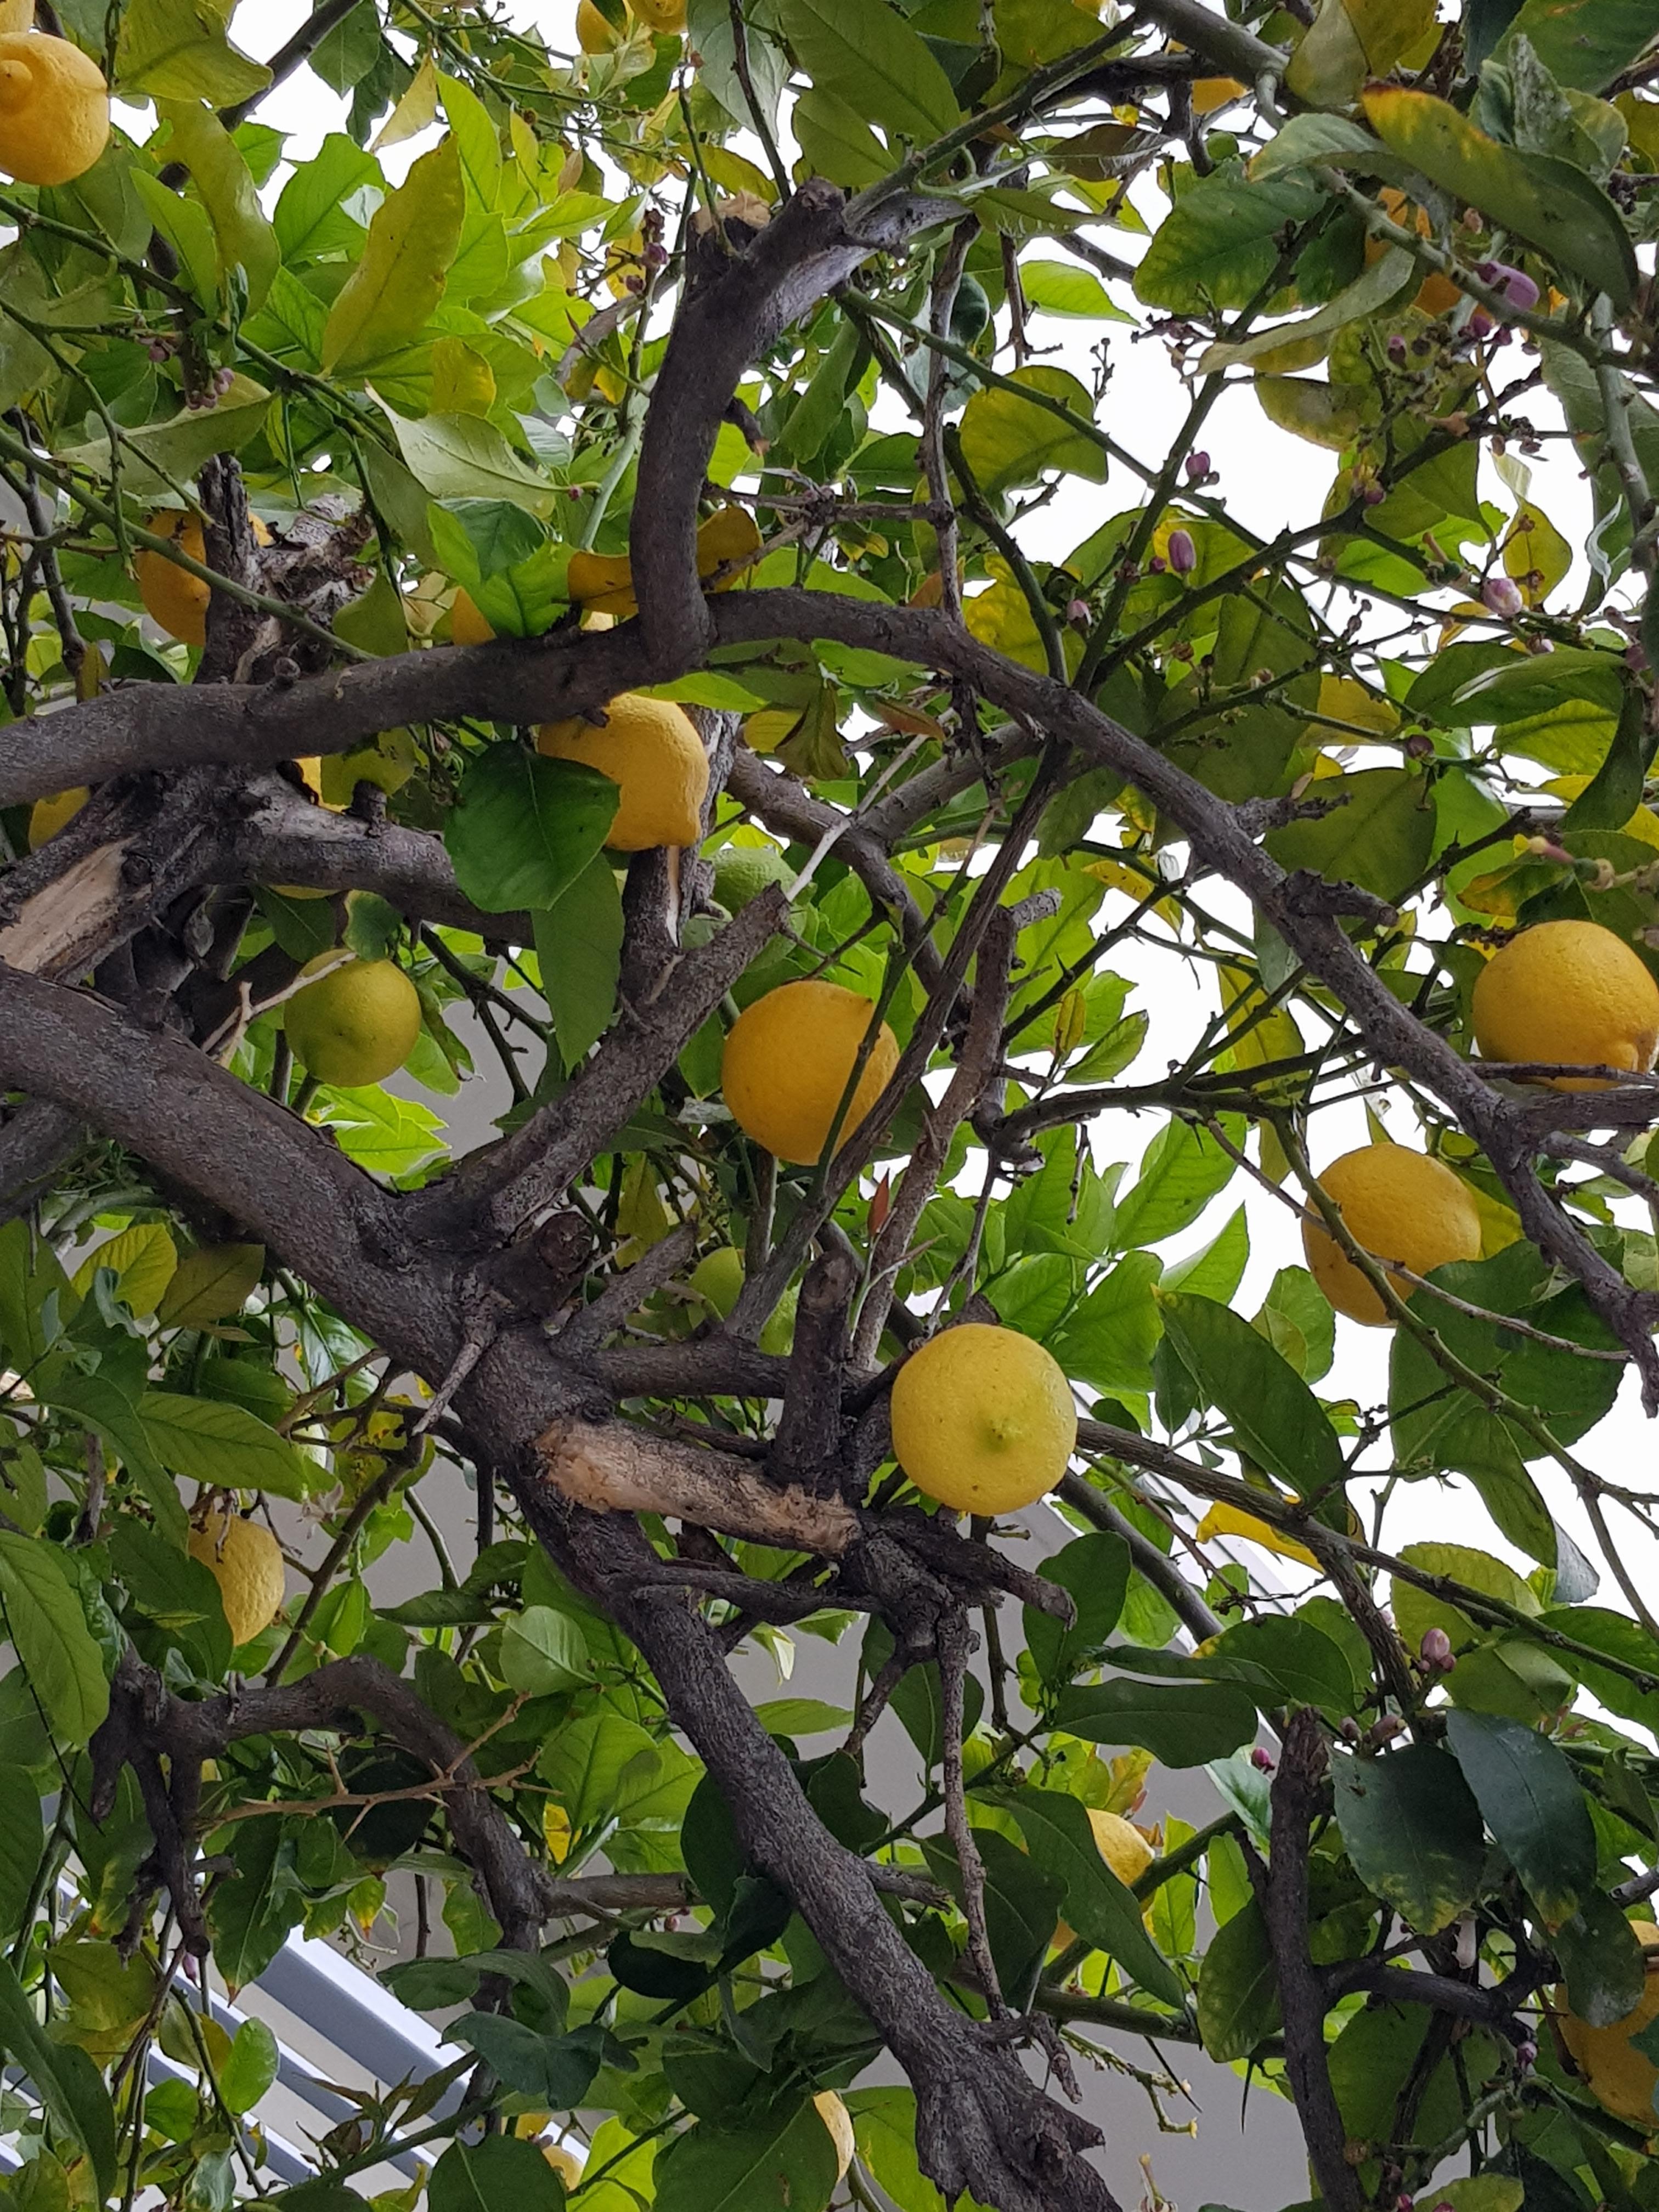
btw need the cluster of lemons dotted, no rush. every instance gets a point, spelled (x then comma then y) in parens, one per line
(1561, 994)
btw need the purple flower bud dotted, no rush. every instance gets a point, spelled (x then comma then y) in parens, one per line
(1501, 595)
(1197, 466)
(656, 257)
(1397, 350)
(1374, 493)
(1436, 1648)
(1262, 1760)
(1419, 745)
(1349, 1730)
(1525, 2056)
(1156, 565)
(1386, 1729)
(1183, 554)
(1076, 613)
(1480, 324)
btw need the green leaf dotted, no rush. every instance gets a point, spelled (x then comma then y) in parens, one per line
(1379, 834)
(1620, 1637)
(1060, 287)
(863, 51)
(1094, 1569)
(240, 230)
(836, 141)
(1601, 1960)
(480, 538)
(252, 1910)
(1098, 1906)
(1237, 1997)
(1555, 207)
(463, 457)
(1181, 1171)
(484, 2176)
(1275, 1417)
(557, 2071)
(579, 952)
(389, 295)
(1007, 441)
(1530, 1800)
(209, 1440)
(187, 228)
(1413, 1831)
(884, 2127)
(1582, 42)
(1219, 243)
(786, 2165)
(1290, 1661)
(178, 49)
(250, 2067)
(68, 2083)
(311, 221)
(22, 1839)
(588, 1763)
(525, 829)
(542, 1652)
(1185, 1724)
(48, 1631)
(176, 448)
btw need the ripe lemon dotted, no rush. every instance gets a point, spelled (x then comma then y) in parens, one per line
(594, 35)
(48, 815)
(839, 2121)
(247, 1562)
(354, 1024)
(466, 625)
(1436, 294)
(983, 1420)
(650, 750)
(742, 872)
(788, 1059)
(1399, 1205)
(661, 15)
(1572, 991)
(565, 2163)
(174, 601)
(54, 109)
(1621, 2079)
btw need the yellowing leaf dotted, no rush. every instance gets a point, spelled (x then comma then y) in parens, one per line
(1341, 699)
(210, 1284)
(178, 49)
(1330, 414)
(463, 382)
(414, 112)
(241, 233)
(1351, 40)
(1536, 555)
(1233, 1521)
(388, 297)
(1007, 440)
(142, 1259)
(1544, 200)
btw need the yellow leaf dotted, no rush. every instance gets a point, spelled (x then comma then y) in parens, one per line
(1233, 1521)
(1274, 1036)
(555, 1831)
(385, 301)
(1329, 415)
(1343, 700)
(463, 382)
(1536, 555)
(143, 1258)
(1069, 1018)
(1643, 824)
(416, 109)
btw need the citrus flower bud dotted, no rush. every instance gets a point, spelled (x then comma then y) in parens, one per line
(1436, 1650)
(1501, 595)
(1183, 554)
(1262, 1760)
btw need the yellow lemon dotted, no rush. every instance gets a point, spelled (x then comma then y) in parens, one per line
(245, 1560)
(354, 1024)
(1398, 1205)
(661, 15)
(174, 601)
(602, 582)
(983, 1420)
(54, 109)
(650, 750)
(729, 534)
(839, 2121)
(1621, 2078)
(48, 815)
(466, 625)
(1570, 991)
(564, 2162)
(788, 1060)
(594, 35)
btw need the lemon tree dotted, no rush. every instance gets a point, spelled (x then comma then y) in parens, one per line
(753, 750)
